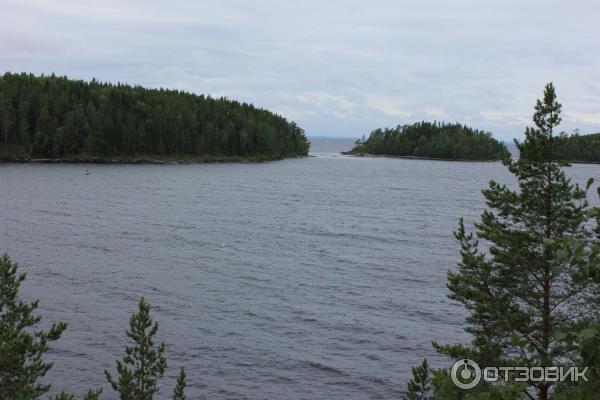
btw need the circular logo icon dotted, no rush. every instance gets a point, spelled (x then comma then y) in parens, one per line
(465, 374)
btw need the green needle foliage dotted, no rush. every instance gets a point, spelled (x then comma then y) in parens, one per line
(179, 392)
(520, 293)
(419, 387)
(585, 340)
(143, 364)
(21, 348)
(91, 395)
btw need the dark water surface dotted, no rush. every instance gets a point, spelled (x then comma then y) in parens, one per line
(314, 278)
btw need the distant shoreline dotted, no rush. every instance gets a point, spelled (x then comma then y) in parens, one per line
(350, 153)
(142, 160)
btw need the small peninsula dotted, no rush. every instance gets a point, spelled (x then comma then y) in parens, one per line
(579, 148)
(58, 119)
(434, 140)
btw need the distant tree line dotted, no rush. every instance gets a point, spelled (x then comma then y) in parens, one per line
(432, 140)
(55, 117)
(584, 148)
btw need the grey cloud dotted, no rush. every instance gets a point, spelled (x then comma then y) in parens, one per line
(337, 67)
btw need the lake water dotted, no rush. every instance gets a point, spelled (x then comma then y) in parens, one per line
(314, 278)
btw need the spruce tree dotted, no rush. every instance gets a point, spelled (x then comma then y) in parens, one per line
(143, 365)
(520, 293)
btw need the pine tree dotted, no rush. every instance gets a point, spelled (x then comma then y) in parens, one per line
(179, 392)
(143, 364)
(418, 388)
(21, 349)
(91, 395)
(584, 339)
(520, 294)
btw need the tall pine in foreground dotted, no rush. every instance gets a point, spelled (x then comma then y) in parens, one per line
(522, 296)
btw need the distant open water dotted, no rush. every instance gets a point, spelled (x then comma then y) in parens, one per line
(314, 278)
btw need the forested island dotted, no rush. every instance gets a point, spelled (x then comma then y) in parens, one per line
(432, 140)
(56, 118)
(579, 148)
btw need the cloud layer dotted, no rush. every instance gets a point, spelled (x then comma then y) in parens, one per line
(339, 68)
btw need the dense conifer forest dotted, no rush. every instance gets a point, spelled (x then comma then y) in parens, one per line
(579, 148)
(432, 140)
(58, 118)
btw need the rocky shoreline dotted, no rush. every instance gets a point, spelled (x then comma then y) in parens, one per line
(99, 160)
(350, 153)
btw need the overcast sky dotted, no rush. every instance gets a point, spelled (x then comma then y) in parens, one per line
(338, 68)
